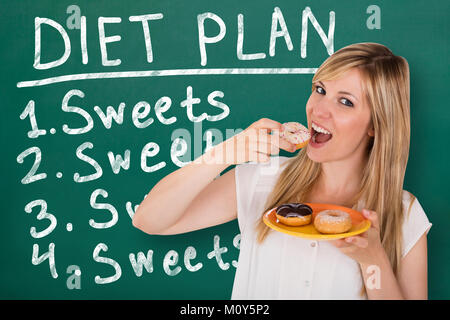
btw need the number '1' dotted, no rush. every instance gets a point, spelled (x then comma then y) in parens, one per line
(29, 111)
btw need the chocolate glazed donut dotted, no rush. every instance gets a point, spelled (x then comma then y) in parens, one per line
(294, 214)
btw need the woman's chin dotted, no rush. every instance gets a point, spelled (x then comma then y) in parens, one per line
(316, 155)
(312, 155)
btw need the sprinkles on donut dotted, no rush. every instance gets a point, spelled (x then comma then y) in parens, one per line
(296, 133)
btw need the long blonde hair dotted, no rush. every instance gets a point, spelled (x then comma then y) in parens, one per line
(385, 86)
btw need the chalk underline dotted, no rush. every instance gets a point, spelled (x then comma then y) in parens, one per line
(162, 73)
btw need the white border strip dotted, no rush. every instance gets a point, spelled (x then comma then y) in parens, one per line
(163, 73)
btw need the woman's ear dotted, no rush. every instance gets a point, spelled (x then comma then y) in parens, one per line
(371, 132)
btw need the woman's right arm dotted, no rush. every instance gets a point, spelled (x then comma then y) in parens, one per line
(190, 198)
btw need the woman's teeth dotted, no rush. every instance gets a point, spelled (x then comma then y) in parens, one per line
(319, 134)
(319, 129)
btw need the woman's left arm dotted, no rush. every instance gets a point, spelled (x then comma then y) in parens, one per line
(379, 278)
(413, 272)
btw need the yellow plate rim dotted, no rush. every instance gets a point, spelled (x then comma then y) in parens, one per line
(362, 227)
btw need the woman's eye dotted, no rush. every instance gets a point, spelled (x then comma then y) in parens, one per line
(346, 102)
(320, 90)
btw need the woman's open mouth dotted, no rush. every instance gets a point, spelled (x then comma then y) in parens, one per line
(319, 135)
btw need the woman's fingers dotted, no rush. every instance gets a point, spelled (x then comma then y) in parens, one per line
(373, 217)
(267, 126)
(361, 242)
(268, 142)
(258, 142)
(261, 151)
(339, 243)
(266, 123)
(284, 144)
(258, 157)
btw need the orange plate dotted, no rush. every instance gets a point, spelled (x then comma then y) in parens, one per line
(360, 224)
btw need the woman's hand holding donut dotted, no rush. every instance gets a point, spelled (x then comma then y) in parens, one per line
(364, 248)
(256, 143)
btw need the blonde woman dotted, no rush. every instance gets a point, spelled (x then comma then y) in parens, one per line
(360, 102)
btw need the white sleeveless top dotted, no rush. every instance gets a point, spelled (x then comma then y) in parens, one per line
(287, 267)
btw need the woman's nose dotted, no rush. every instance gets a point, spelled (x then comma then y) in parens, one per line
(321, 109)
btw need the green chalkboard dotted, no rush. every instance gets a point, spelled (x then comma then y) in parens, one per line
(81, 85)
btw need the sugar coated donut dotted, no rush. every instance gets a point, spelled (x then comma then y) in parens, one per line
(294, 214)
(296, 133)
(332, 221)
